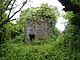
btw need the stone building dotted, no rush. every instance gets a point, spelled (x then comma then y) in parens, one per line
(36, 30)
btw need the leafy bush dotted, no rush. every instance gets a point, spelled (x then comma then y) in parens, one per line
(47, 49)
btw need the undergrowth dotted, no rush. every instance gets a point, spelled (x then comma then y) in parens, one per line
(47, 49)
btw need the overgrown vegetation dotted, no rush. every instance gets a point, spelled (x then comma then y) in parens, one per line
(50, 49)
(64, 46)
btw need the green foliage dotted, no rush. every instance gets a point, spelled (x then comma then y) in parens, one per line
(49, 49)
(6, 8)
(8, 5)
(65, 46)
(76, 2)
(11, 51)
(3, 7)
(73, 18)
(69, 15)
(20, 51)
(18, 38)
(72, 35)
(44, 11)
(10, 31)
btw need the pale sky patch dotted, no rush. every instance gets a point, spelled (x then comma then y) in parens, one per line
(35, 3)
(61, 22)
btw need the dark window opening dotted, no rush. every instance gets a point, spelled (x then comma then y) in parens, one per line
(32, 37)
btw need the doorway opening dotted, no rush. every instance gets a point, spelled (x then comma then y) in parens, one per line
(31, 37)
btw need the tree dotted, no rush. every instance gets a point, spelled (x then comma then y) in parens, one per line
(8, 5)
(5, 29)
(71, 5)
(71, 36)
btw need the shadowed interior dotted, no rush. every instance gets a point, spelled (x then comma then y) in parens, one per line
(32, 37)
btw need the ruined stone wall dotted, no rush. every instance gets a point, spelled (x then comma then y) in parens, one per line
(40, 29)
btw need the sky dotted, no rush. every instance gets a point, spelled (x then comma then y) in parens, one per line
(35, 3)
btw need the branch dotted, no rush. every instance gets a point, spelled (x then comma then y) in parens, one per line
(8, 19)
(12, 19)
(5, 8)
(18, 10)
(16, 6)
(11, 8)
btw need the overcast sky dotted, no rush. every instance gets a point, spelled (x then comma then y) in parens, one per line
(35, 3)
